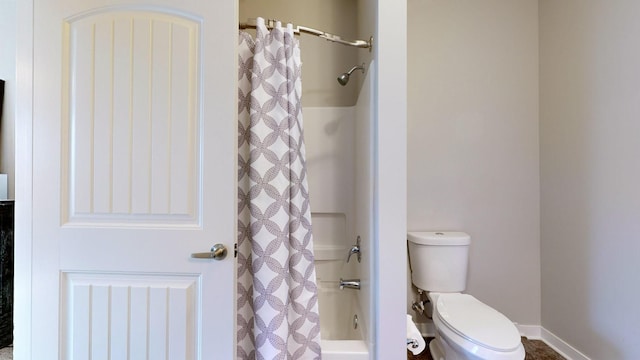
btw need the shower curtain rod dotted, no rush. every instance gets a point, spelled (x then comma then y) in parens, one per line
(270, 23)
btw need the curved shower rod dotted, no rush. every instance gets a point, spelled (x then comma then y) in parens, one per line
(270, 23)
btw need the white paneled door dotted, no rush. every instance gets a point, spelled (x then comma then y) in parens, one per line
(134, 136)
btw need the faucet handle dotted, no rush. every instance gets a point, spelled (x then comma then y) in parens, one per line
(355, 249)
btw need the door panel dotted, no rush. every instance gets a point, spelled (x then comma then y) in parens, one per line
(134, 136)
(131, 111)
(120, 316)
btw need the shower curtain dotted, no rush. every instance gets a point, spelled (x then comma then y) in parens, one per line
(277, 292)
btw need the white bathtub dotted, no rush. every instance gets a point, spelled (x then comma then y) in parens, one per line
(341, 340)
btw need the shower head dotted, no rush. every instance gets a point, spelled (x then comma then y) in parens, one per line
(343, 79)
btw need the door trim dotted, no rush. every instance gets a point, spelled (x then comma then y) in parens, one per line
(23, 180)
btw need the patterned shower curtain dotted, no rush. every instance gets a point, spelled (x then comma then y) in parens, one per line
(277, 292)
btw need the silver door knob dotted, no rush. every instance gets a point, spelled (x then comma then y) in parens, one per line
(218, 252)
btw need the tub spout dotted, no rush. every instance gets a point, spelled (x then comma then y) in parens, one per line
(350, 283)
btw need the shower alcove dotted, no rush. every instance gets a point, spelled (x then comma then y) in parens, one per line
(338, 135)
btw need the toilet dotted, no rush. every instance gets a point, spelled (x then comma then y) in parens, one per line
(465, 327)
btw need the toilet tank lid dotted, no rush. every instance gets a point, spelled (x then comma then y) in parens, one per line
(450, 238)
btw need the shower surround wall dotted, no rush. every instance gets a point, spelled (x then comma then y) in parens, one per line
(329, 137)
(339, 142)
(338, 218)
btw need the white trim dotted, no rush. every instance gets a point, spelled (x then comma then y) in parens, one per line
(561, 347)
(529, 331)
(390, 184)
(23, 180)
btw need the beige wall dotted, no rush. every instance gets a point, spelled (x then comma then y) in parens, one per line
(590, 173)
(322, 60)
(473, 141)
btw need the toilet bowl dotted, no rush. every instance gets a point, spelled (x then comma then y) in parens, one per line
(465, 327)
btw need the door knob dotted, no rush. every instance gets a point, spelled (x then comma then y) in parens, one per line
(218, 252)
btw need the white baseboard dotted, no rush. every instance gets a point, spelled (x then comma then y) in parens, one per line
(561, 347)
(530, 331)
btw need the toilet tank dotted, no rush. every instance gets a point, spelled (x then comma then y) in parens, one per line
(439, 260)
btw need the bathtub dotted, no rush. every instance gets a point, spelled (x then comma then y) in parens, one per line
(341, 338)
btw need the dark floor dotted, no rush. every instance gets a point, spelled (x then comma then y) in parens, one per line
(535, 349)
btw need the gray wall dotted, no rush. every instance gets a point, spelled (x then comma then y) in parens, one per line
(473, 141)
(590, 174)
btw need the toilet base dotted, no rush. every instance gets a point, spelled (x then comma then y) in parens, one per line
(441, 349)
(435, 350)
(447, 348)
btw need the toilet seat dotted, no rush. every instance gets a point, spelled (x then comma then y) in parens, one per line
(477, 322)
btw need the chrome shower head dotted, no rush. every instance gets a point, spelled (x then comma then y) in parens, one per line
(343, 79)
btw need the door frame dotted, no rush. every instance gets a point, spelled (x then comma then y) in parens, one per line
(389, 271)
(23, 283)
